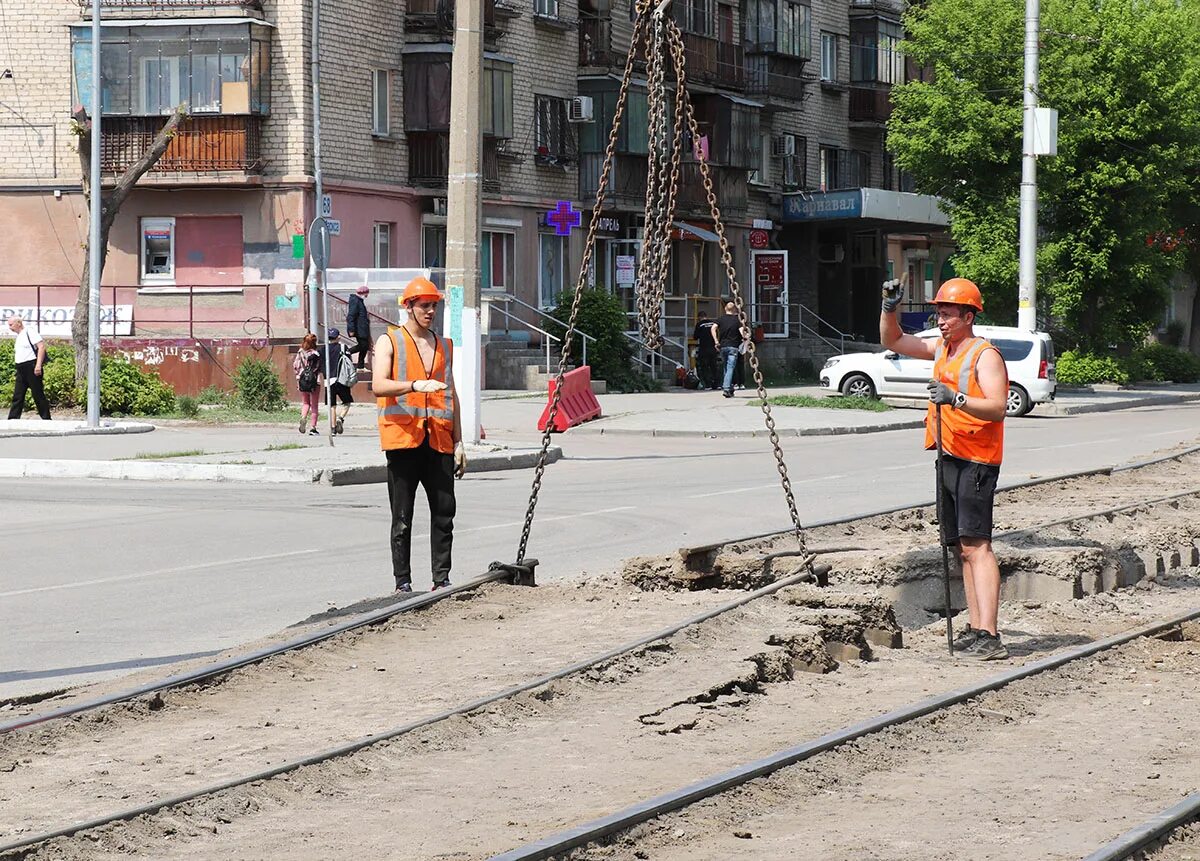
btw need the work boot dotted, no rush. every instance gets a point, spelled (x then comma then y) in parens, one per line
(966, 638)
(987, 647)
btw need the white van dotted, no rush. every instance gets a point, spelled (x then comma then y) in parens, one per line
(1028, 355)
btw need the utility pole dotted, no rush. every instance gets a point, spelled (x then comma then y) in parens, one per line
(461, 317)
(315, 66)
(97, 201)
(1027, 289)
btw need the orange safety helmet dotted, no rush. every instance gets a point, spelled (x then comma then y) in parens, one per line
(420, 288)
(959, 291)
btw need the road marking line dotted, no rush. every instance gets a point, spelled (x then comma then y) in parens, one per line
(180, 570)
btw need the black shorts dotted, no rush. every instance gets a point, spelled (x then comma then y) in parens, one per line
(969, 490)
(338, 392)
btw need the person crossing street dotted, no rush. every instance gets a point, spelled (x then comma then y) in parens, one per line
(970, 391)
(420, 430)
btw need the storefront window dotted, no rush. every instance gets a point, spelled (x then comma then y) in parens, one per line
(553, 268)
(158, 251)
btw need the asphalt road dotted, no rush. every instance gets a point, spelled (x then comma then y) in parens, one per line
(100, 578)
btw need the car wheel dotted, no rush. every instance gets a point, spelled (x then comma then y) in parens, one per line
(858, 386)
(1018, 402)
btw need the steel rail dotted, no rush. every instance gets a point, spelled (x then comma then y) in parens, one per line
(589, 832)
(219, 668)
(209, 671)
(1149, 832)
(387, 735)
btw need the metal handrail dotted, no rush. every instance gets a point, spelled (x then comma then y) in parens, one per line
(548, 336)
(842, 336)
(508, 297)
(637, 339)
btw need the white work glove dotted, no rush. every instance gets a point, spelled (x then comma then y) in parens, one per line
(460, 460)
(428, 387)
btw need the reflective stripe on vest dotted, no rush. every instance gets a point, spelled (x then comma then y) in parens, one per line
(963, 435)
(406, 421)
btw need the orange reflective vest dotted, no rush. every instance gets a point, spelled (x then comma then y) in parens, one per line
(405, 421)
(963, 435)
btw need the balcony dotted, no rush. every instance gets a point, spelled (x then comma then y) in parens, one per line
(729, 183)
(595, 43)
(870, 106)
(436, 17)
(712, 62)
(201, 145)
(171, 4)
(429, 161)
(626, 180)
(775, 77)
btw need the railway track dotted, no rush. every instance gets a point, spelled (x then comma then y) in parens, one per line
(1170, 835)
(638, 656)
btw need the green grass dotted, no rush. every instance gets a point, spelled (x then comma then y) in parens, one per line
(234, 415)
(285, 446)
(842, 403)
(164, 455)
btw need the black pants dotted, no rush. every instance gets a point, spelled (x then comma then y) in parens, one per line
(28, 380)
(425, 466)
(706, 370)
(362, 347)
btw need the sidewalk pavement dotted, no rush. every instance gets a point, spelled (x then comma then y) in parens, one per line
(191, 451)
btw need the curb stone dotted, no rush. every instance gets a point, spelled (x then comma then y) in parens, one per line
(751, 434)
(38, 428)
(376, 473)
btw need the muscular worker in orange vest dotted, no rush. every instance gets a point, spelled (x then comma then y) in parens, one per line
(970, 387)
(420, 430)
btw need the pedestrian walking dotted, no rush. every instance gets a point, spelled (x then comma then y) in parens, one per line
(707, 352)
(340, 380)
(358, 324)
(29, 356)
(729, 339)
(309, 374)
(967, 396)
(420, 430)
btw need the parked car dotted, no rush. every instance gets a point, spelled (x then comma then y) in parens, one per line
(1028, 355)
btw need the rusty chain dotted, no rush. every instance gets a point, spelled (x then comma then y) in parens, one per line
(661, 194)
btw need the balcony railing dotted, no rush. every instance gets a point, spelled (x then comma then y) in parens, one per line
(712, 62)
(201, 144)
(437, 16)
(627, 184)
(870, 104)
(429, 161)
(775, 77)
(626, 180)
(595, 43)
(729, 183)
(171, 4)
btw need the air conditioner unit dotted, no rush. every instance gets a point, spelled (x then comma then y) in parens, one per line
(828, 252)
(783, 145)
(439, 206)
(580, 110)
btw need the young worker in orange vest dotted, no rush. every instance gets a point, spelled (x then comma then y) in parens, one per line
(419, 430)
(970, 386)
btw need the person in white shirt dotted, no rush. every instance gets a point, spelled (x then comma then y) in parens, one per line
(30, 356)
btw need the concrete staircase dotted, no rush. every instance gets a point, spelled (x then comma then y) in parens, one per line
(513, 364)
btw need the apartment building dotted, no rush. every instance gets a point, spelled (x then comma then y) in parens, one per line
(791, 97)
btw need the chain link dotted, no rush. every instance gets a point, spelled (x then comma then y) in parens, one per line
(597, 208)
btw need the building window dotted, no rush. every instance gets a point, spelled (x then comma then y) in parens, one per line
(779, 27)
(761, 174)
(552, 271)
(381, 90)
(426, 92)
(383, 245)
(829, 57)
(554, 140)
(433, 246)
(158, 251)
(150, 71)
(694, 16)
(844, 168)
(547, 8)
(497, 99)
(793, 162)
(794, 34)
(498, 261)
(875, 55)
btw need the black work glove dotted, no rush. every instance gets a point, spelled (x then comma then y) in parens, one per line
(941, 394)
(893, 293)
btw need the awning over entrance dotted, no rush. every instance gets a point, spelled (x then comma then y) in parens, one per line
(892, 208)
(698, 232)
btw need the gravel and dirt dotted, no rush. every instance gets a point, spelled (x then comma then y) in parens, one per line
(771, 674)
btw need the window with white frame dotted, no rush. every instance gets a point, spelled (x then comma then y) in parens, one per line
(829, 57)
(554, 140)
(383, 245)
(381, 90)
(158, 251)
(548, 8)
(497, 98)
(498, 261)
(552, 268)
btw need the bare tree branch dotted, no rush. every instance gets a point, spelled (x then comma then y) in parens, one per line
(110, 206)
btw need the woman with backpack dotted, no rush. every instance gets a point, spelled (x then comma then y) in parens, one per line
(307, 366)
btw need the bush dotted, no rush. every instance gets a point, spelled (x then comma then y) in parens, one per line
(187, 406)
(58, 377)
(256, 386)
(602, 316)
(1075, 369)
(126, 389)
(212, 395)
(1160, 362)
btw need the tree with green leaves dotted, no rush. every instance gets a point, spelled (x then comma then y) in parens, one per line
(1125, 79)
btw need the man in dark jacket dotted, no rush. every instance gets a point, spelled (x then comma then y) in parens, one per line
(358, 325)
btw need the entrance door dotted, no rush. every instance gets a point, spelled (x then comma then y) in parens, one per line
(769, 292)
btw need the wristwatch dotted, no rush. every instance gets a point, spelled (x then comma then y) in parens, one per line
(959, 400)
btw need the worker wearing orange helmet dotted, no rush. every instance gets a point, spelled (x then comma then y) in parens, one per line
(970, 388)
(420, 430)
